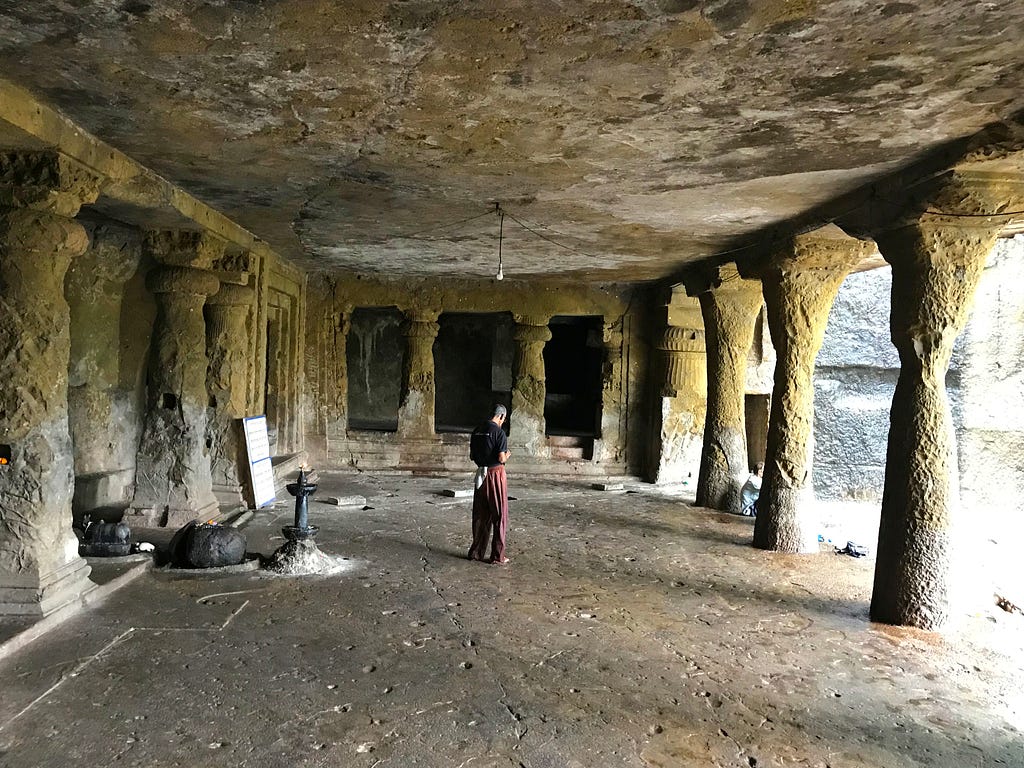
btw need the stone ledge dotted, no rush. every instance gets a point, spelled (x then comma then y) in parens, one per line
(34, 630)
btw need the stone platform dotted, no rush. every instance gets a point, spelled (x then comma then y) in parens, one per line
(629, 630)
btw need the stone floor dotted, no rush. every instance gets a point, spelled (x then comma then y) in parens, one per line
(629, 630)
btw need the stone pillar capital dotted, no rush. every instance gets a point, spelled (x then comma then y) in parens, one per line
(185, 248)
(235, 267)
(232, 295)
(959, 219)
(195, 282)
(679, 339)
(532, 333)
(420, 329)
(32, 237)
(531, 320)
(421, 314)
(823, 251)
(970, 195)
(724, 279)
(46, 181)
(116, 251)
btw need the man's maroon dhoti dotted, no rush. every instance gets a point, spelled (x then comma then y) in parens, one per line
(490, 514)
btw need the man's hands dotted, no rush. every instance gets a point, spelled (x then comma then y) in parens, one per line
(503, 456)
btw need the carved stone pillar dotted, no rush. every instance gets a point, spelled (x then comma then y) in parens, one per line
(103, 432)
(528, 384)
(936, 265)
(416, 407)
(729, 306)
(800, 286)
(610, 445)
(685, 359)
(40, 569)
(173, 482)
(228, 348)
(683, 398)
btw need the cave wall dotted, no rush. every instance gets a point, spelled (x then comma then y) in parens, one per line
(339, 348)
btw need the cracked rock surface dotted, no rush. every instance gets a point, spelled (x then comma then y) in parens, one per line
(629, 630)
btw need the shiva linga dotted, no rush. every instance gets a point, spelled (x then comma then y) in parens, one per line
(301, 490)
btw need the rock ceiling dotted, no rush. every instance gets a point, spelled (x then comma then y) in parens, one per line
(634, 136)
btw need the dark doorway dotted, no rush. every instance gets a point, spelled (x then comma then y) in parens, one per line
(374, 355)
(472, 368)
(756, 409)
(572, 369)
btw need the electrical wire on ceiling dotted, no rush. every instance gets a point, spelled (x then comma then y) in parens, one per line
(533, 228)
(439, 227)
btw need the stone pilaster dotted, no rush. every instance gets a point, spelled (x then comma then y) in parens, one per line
(228, 348)
(416, 407)
(341, 331)
(173, 482)
(609, 446)
(526, 420)
(683, 397)
(40, 569)
(936, 263)
(729, 307)
(800, 285)
(101, 414)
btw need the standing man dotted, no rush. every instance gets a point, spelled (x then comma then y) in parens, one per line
(488, 448)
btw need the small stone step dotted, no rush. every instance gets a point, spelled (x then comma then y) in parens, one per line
(608, 486)
(457, 493)
(344, 501)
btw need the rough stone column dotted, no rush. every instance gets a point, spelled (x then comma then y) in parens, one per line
(173, 482)
(609, 447)
(103, 427)
(936, 265)
(683, 398)
(528, 384)
(228, 348)
(40, 569)
(800, 285)
(729, 306)
(416, 408)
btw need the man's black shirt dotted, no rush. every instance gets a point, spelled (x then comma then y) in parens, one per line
(487, 441)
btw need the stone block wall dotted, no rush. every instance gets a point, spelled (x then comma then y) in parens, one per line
(854, 379)
(990, 412)
(858, 367)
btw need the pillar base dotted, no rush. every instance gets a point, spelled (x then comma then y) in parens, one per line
(35, 595)
(150, 517)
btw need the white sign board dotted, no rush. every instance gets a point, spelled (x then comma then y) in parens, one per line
(261, 470)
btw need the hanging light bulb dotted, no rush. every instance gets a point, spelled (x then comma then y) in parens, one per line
(501, 228)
